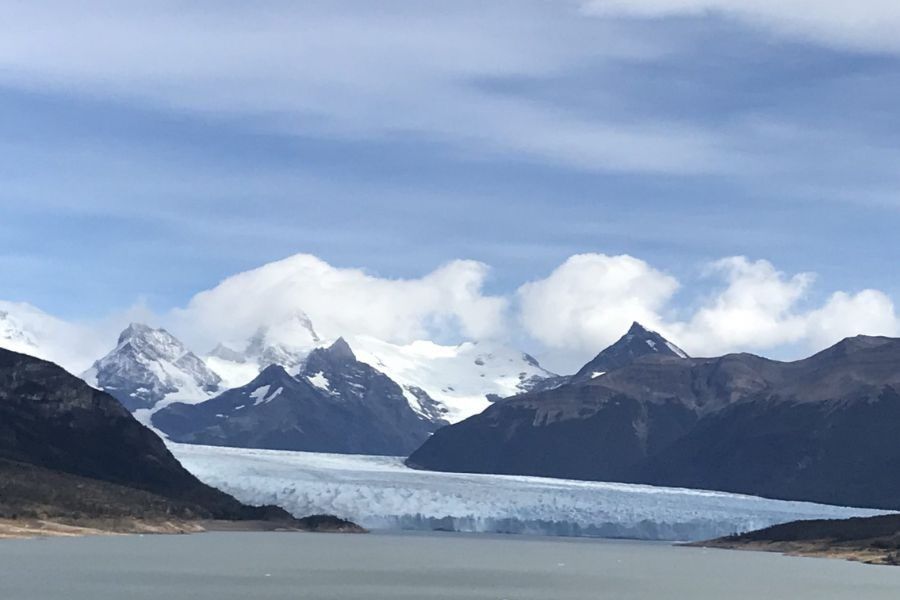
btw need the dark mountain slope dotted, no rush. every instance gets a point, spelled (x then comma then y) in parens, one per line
(828, 432)
(334, 404)
(823, 429)
(53, 421)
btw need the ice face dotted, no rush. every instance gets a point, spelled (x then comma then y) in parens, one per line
(381, 493)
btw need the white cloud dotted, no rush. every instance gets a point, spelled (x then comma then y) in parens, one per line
(761, 308)
(582, 306)
(869, 312)
(27, 329)
(585, 303)
(590, 300)
(864, 24)
(447, 301)
(755, 310)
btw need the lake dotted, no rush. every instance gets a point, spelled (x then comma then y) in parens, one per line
(269, 566)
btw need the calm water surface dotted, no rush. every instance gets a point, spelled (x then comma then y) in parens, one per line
(220, 566)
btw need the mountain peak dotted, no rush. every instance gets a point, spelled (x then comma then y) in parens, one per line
(341, 350)
(149, 364)
(286, 342)
(637, 329)
(272, 373)
(639, 341)
(134, 330)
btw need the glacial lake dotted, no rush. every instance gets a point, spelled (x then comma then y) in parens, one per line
(269, 566)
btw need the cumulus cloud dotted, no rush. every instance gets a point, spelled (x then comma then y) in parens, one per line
(755, 309)
(589, 301)
(869, 312)
(585, 302)
(447, 301)
(761, 308)
(865, 24)
(583, 305)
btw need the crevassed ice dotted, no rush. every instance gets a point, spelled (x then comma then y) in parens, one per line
(381, 493)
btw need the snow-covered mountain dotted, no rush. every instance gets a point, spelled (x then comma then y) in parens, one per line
(286, 344)
(330, 403)
(443, 382)
(462, 380)
(151, 366)
(15, 336)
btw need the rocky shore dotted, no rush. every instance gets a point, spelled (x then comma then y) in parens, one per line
(872, 540)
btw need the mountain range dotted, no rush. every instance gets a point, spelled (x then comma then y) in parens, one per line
(331, 403)
(287, 388)
(822, 429)
(641, 411)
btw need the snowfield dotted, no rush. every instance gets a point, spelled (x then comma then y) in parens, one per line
(459, 378)
(379, 492)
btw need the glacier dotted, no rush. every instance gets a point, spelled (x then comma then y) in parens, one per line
(381, 493)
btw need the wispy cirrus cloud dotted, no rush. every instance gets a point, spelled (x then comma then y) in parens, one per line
(356, 70)
(400, 135)
(869, 25)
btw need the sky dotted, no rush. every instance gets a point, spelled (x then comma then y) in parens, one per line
(537, 171)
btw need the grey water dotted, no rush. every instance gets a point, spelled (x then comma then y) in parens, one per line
(268, 566)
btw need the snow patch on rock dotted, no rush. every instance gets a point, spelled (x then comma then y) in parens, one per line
(320, 381)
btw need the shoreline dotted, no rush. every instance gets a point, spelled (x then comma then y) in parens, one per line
(41, 528)
(19, 529)
(827, 549)
(25, 529)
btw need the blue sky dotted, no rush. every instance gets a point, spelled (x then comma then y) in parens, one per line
(146, 154)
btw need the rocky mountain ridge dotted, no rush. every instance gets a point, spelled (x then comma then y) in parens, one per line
(331, 403)
(820, 429)
(149, 368)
